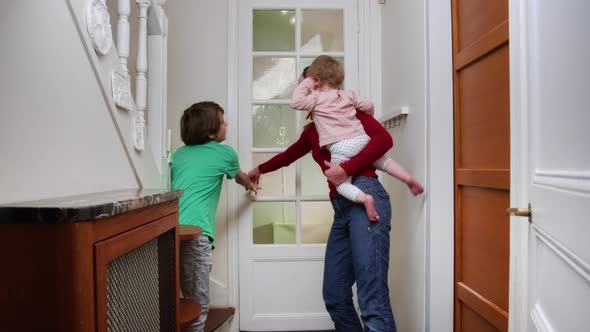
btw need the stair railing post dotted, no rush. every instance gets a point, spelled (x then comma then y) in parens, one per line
(141, 78)
(123, 11)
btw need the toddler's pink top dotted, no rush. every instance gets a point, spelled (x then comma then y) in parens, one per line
(334, 111)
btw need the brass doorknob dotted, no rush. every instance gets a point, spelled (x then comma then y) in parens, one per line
(520, 212)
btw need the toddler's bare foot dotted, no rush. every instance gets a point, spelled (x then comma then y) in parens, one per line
(369, 204)
(415, 187)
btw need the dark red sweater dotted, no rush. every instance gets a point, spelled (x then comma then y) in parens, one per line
(359, 165)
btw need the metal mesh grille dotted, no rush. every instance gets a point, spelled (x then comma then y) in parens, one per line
(167, 282)
(140, 288)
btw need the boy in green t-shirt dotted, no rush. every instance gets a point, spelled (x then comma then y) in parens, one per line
(198, 169)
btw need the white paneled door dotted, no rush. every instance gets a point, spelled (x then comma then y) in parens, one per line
(550, 263)
(284, 229)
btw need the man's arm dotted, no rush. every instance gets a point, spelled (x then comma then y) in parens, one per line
(379, 144)
(297, 150)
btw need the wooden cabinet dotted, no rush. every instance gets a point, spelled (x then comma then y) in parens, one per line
(118, 273)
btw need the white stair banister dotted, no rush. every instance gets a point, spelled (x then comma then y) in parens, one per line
(141, 78)
(123, 10)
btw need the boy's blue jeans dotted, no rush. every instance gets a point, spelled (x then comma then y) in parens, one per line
(358, 251)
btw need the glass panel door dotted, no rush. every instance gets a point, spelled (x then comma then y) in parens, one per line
(284, 229)
(284, 42)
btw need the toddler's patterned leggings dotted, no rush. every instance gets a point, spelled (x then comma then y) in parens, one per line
(344, 150)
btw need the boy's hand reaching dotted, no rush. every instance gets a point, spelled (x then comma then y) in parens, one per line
(252, 187)
(244, 180)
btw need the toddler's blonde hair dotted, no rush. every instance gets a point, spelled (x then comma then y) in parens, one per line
(328, 70)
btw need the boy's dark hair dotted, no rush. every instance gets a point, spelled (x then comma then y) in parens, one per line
(199, 121)
(328, 70)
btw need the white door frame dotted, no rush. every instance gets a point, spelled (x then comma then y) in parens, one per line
(284, 260)
(370, 85)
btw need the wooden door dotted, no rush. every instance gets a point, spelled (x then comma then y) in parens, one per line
(482, 164)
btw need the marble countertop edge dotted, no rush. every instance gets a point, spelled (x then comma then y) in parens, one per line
(84, 207)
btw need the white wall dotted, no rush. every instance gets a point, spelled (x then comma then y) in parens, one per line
(57, 136)
(417, 71)
(404, 83)
(197, 71)
(143, 162)
(440, 202)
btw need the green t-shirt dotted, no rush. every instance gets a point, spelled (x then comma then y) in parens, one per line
(199, 171)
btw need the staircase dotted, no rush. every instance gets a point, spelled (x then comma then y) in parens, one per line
(146, 74)
(217, 317)
(149, 101)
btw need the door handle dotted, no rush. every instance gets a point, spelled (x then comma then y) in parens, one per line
(521, 212)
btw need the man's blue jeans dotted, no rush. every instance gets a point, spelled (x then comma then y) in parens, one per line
(358, 251)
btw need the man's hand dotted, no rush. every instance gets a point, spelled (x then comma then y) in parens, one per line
(254, 176)
(335, 174)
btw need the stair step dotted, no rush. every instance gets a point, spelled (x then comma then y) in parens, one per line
(190, 311)
(188, 232)
(217, 316)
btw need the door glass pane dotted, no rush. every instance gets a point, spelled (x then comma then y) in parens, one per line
(274, 223)
(273, 126)
(306, 61)
(280, 182)
(274, 30)
(316, 221)
(313, 180)
(322, 30)
(273, 78)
